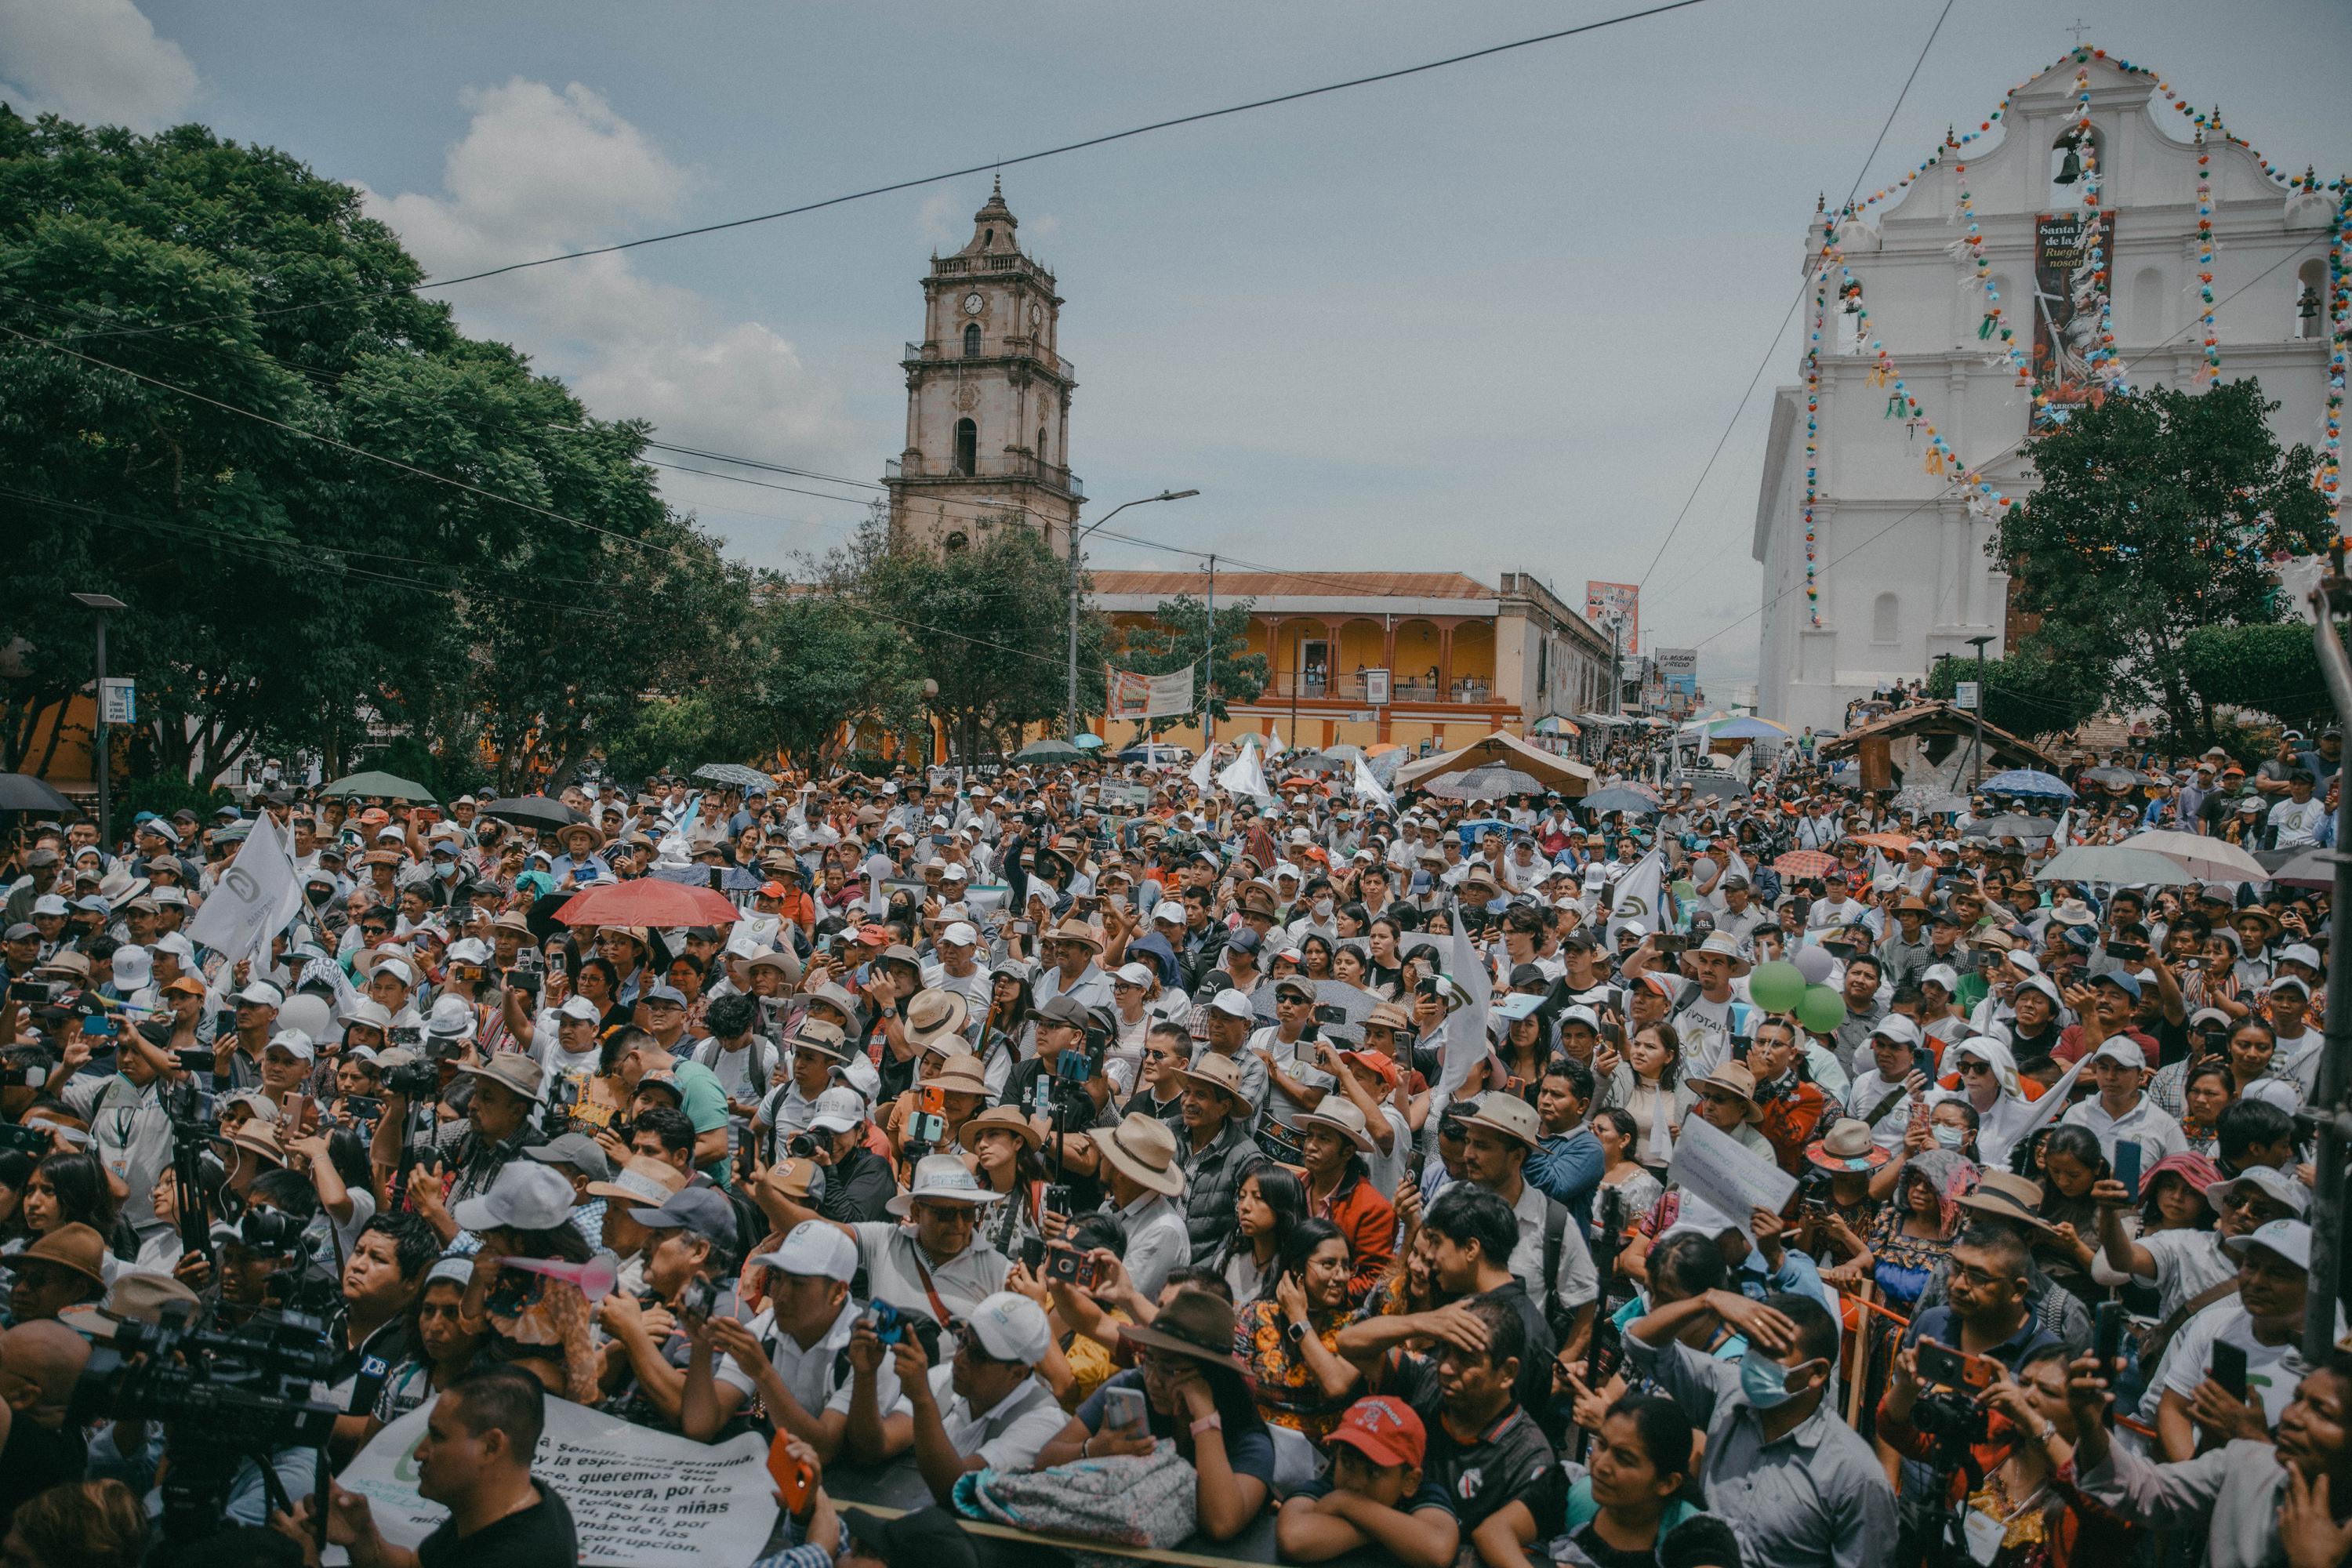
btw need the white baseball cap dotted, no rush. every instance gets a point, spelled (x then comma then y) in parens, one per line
(1133, 974)
(815, 1248)
(581, 1009)
(294, 1043)
(1010, 1327)
(960, 934)
(2290, 1239)
(839, 1110)
(1233, 1005)
(1894, 1026)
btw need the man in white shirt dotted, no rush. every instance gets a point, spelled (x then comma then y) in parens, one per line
(2294, 821)
(985, 1409)
(1139, 1166)
(958, 968)
(934, 1266)
(1502, 1131)
(791, 1353)
(2120, 1110)
(1891, 1080)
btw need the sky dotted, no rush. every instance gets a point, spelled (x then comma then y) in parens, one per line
(1489, 318)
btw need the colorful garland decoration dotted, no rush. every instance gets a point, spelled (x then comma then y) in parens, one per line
(2211, 340)
(2339, 313)
(1812, 437)
(1941, 461)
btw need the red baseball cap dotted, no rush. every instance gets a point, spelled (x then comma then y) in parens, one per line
(1374, 1062)
(1383, 1429)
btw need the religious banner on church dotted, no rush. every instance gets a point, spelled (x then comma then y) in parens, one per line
(2069, 290)
(1134, 695)
(1622, 600)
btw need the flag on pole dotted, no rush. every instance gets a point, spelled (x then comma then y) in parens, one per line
(1244, 775)
(253, 898)
(1199, 772)
(1366, 787)
(1463, 1043)
(1641, 896)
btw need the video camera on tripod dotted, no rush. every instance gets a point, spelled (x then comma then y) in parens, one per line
(226, 1397)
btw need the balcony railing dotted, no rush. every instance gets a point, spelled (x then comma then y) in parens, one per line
(1314, 685)
(1010, 466)
(1014, 347)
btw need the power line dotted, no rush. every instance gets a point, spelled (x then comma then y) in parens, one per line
(994, 164)
(1807, 282)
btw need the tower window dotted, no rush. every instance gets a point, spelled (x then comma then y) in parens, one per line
(2311, 299)
(954, 543)
(987, 238)
(1885, 618)
(2068, 155)
(1041, 443)
(967, 450)
(971, 340)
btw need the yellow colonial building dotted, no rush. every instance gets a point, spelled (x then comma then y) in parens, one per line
(1463, 658)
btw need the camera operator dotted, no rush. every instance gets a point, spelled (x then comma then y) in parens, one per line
(790, 1354)
(859, 1184)
(817, 1051)
(1984, 1313)
(466, 1156)
(475, 1460)
(687, 1282)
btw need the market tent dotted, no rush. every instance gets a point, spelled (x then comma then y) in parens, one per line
(1571, 778)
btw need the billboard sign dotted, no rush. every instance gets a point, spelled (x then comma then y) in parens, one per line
(2070, 289)
(1604, 601)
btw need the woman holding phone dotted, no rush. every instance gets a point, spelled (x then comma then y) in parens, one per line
(1196, 1394)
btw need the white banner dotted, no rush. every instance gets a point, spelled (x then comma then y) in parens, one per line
(1134, 695)
(253, 898)
(1714, 1167)
(639, 1498)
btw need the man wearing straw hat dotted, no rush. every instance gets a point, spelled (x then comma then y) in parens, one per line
(1139, 1165)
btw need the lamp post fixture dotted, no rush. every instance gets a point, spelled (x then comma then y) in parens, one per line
(1077, 538)
(99, 606)
(1976, 771)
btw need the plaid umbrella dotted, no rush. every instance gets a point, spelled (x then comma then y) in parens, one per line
(1804, 863)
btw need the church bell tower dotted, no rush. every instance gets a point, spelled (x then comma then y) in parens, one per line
(988, 400)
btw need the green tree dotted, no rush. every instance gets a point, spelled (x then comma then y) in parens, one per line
(285, 592)
(2029, 692)
(988, 624)
(2157, 514)
(2273, 670)
(1178, 634)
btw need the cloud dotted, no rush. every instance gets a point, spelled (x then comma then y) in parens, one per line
(941, 219)
(95, 60)
(539, 171)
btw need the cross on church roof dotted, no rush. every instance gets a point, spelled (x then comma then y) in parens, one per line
(2078, 29)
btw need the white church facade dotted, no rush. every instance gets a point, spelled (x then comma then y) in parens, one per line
(1890, 569)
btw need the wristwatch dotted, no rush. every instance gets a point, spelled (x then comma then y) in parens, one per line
(1296, 1330)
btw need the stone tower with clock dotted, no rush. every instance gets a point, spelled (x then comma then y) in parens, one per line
(988, 400)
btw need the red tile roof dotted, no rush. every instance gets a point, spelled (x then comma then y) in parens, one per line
(1297, 584)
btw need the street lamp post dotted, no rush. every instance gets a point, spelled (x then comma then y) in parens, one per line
(99, 606)
(1077, 538)
(1976, 769)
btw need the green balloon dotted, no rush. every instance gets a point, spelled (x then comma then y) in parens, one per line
(1820, 1009)
(1777, 988)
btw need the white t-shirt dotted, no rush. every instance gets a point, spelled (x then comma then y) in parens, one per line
(2271, 1370)
(2187, 1264)
(808, 1374)
(1009, 1436)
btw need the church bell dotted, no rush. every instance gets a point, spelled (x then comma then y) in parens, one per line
(2072, 169)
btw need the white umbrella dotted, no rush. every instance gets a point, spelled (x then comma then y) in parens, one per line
(2113, 864)
(2207, 859)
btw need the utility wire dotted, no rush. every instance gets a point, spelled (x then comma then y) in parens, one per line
(1805, 284)
(994, 164)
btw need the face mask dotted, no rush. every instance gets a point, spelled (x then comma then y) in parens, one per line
(1323, 908)
(1764, 1381)
(1951, 1137)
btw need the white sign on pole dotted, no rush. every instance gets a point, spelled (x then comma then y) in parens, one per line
(1964, 694)
(1376, 687)
(639, 1498)
(1133, 695)
(117, 700)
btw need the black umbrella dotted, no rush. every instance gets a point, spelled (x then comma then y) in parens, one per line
(1602, 802)
(533, 811)
(23, 792)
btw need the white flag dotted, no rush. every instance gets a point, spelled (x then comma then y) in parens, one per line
(1464, 1042)
(1243, 775)
(253, 898)
(1369, 788)
(1199, 773)
(1639, 892)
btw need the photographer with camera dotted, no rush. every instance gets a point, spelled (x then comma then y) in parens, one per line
(687, 1281)
(791, 1356)
(1986, 1318)
(463, 1159)
(236, 1058)
(986, 1408)
(474, 1460)
(130, 1130)
(859, 1185)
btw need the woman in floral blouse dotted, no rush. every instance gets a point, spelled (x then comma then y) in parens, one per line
(1289, 1337)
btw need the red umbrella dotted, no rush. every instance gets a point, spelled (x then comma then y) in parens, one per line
(648, 901)
(1805, 863)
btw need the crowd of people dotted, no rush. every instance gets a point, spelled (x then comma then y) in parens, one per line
(1311, 1174)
